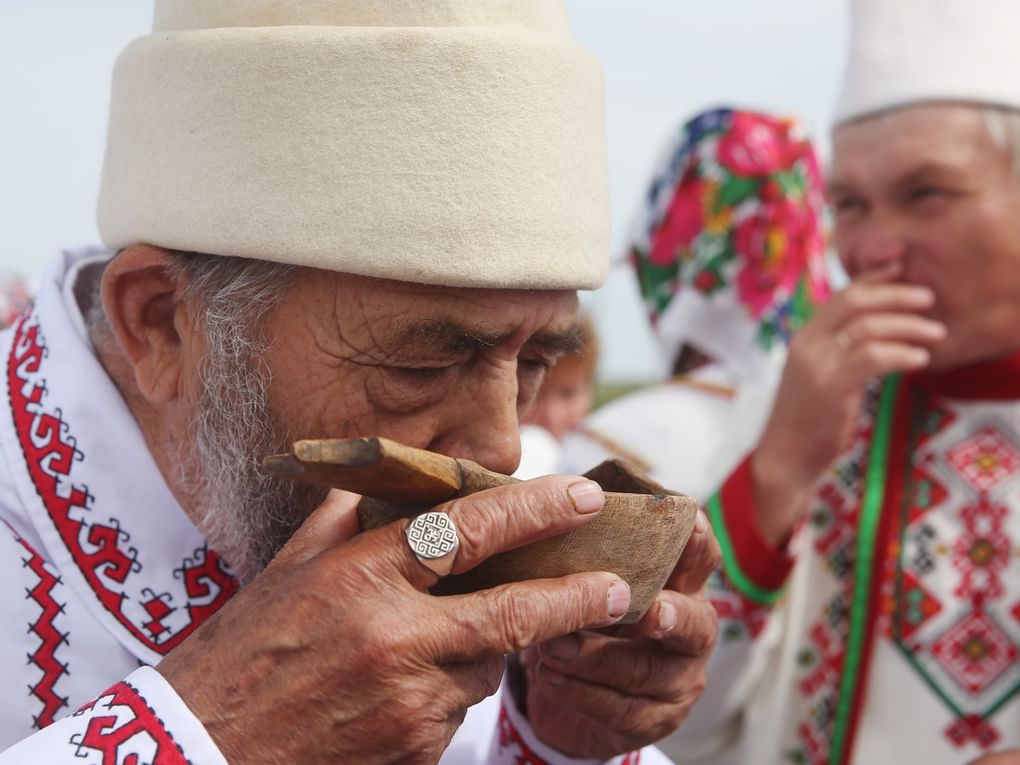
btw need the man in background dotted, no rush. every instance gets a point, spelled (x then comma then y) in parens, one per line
(870, 540)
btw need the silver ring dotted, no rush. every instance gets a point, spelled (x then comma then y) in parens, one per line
(434, 540)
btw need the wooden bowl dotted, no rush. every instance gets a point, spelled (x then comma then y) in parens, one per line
(639, 535)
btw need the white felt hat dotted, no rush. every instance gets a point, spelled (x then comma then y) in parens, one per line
(905, 52)
(449, 142)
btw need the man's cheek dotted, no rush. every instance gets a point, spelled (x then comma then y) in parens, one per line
(312, 409)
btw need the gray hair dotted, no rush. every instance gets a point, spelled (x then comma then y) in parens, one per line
(232, 298)
(245, 514)
(1001, 122)
(1003, 125)
(230, 294)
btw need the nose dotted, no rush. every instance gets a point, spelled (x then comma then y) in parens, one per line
(483, 426)
(873, 250)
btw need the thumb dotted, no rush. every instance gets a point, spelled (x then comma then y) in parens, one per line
(331, 524)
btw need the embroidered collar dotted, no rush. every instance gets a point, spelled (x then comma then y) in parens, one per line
(92, 490)
(995, 380)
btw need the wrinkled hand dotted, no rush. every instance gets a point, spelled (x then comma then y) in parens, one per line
(871, 329)
(598, 695)
(336, 653)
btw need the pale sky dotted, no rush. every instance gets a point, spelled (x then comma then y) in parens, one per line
(663, 60)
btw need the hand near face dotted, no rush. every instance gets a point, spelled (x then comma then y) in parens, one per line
(595, 695)
(337, 653)
(873, 328)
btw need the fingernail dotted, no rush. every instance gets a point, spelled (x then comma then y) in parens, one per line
(667, 616)
(564, 648)
(701, 522)
(587, 496)
(619, 599)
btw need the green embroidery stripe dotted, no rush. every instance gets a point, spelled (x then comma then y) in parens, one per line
(741, 581)
(871, 509)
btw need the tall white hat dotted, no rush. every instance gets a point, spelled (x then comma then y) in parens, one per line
(905, 52)
(449, 142)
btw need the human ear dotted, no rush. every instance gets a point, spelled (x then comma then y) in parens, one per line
(141, 300)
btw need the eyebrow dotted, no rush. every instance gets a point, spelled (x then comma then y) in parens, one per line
(838, 187)
(924, 172)
(450, 337)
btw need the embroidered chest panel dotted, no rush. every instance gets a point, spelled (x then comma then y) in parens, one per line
(951, 597)
(948, 570)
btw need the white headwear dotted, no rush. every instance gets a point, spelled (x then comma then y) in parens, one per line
(450, 142)
(905, 52)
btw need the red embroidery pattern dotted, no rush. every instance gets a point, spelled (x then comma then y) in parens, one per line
(126, 731)
(100, 550)
(833, 523)
(739, 617)
(50, 638)
(510, 737)
(963, 645)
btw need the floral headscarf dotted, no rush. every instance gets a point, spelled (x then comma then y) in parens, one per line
(730, 249)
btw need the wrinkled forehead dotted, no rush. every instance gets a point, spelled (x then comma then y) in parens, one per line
(885, 146)
(393, 310)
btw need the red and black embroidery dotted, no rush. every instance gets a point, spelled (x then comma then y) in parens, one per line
(964, 646)
(50, 637)
(125, 730)
(100, 547)
(739, 617)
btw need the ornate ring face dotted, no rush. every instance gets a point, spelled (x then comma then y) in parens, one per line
(432, 536)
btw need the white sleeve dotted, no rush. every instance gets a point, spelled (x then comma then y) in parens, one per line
(140, 719)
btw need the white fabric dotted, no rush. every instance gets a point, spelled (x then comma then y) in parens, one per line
(133, 728)
(762, 705)
(905, 52)
(132, 579)
(688, 439)
(540, 453)
(457, 143)
(719, 327)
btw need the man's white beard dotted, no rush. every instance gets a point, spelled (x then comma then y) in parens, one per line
(246, 515)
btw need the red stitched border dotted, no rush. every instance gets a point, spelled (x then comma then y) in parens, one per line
(45, 440)
(50, 638)
(104, 735)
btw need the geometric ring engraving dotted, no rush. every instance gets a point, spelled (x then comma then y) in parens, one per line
(432, 535)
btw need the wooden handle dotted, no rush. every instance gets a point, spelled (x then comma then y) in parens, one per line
(374, 467)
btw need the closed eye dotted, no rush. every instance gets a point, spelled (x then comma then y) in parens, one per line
(422, 374)
(846, 205)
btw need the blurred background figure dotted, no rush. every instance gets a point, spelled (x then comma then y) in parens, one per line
(568, 392)
(567, 396)
(15, 297)
(870, 603)
(730, 255)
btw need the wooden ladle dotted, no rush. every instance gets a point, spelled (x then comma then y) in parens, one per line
(639, 535)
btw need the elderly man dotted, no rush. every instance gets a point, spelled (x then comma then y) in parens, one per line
(871, 541)
(399, 200)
